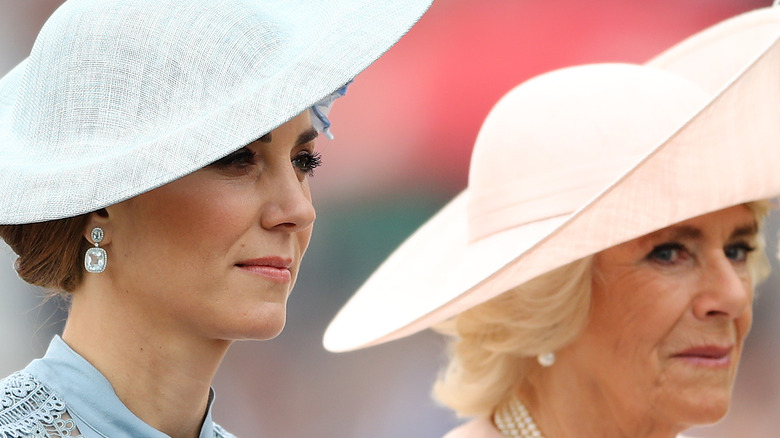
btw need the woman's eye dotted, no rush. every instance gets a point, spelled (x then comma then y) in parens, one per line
(239, 159)
(738, 252)
(667, 253)
(307, 161)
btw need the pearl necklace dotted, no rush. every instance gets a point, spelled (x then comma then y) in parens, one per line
(514, 421)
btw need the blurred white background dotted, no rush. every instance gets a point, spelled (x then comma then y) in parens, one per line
(403, 138)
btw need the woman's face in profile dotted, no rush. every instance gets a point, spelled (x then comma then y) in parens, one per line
(216, 253)
(670, 311)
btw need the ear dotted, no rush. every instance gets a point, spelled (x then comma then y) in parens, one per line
(99, 218)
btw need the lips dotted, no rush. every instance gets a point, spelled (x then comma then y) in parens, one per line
(276, 269)
(707, 355)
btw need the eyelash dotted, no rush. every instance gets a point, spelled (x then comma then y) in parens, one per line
(239, 159)
(305, 161)
(743, 246)
(655, 253)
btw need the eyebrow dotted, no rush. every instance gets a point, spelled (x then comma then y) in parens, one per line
(304, 137)
(745, 231)
(689, 232)
(307, 136)
(683, 232)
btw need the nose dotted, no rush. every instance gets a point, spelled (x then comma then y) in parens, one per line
(725, 292)
(289, 206)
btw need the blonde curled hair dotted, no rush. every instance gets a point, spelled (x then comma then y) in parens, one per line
(492, 345)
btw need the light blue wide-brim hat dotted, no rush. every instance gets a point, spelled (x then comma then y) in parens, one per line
(119, 97)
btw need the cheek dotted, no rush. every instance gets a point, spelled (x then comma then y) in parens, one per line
(744, 322)
(634, 314)
(177, 226)
(304, 237)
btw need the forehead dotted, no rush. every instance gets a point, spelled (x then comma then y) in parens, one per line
(733, 222)
(298, 130)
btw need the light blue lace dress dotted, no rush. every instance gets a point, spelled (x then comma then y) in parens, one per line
(63, 395)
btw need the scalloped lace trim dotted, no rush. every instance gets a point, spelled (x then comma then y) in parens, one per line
(29, 409)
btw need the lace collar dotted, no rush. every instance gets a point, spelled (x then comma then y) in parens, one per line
(91, 399)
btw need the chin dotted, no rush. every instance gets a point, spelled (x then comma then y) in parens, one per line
(706, 409)
(262, 325)
(269, 328)
(270, 331)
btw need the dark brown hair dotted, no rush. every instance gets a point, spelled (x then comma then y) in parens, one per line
(50, 253)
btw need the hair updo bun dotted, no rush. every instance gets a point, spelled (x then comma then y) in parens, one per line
(49, 252)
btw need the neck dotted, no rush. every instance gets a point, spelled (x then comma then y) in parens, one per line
(563, 403)
(162, 375)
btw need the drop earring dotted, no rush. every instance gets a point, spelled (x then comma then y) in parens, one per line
(96, 258)
(546, 359)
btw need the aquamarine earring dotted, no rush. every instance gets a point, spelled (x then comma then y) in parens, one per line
(96, 258)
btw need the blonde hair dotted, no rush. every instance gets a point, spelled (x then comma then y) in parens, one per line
(492, 342)
(758, 264)
(492, 345)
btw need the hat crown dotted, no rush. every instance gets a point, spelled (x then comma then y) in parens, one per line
(118, 71)
(723, 155)
(119, 97)
(565, 135)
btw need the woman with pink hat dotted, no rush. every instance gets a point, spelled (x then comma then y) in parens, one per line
(596, 277)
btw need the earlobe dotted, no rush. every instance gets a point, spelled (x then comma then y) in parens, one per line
(98, 219)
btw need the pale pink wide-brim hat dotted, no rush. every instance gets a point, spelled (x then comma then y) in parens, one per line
(579, 160)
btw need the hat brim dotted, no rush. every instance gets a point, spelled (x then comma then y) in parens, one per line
(715, 160)
(344, 38)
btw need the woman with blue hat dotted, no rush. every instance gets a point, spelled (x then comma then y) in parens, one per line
(155, 170)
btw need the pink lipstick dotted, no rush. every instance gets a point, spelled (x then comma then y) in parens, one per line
(276, 269)
(711, 356)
